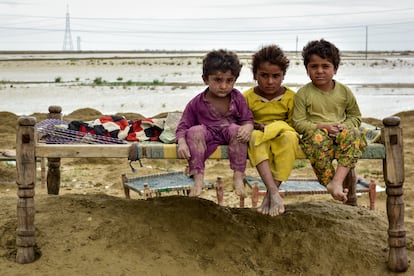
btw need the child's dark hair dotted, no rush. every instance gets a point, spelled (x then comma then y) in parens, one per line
(221, 61)
(272, 54)
(323, 49)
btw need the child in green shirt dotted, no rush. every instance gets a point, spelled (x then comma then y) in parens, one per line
(327, 115)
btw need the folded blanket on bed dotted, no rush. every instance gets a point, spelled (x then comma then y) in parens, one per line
(119, 127)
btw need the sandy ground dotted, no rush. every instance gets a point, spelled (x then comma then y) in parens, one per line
(91, 229)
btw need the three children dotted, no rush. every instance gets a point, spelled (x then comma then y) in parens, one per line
(324, 112)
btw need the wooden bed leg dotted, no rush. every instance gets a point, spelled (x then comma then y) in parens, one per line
(219, 191)
(241, 202)
(255, 194)
(372, 194)
(53, 176)
(43, 163)
(393, 167)
(350, 184)
(26, 177)
(147, 191)
(124, 179)
(53, 173)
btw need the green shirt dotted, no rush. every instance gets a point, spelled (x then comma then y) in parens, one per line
(313, 106)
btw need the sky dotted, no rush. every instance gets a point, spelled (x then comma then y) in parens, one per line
(242, 25)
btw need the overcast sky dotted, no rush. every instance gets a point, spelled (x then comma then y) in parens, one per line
(204, 25)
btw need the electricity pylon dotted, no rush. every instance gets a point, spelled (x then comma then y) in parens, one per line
(67, 41)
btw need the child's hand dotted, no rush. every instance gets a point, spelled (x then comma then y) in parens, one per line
(244, 132)
(333, 129)
(183, 151)
(259, 126)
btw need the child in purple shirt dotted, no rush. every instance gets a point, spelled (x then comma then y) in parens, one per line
(217, 116)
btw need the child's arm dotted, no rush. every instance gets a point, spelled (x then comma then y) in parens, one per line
(353, 114)
(187, 120)
(246, 120)
(300, 121)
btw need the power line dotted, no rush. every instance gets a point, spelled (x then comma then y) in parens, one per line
(278, 17)
(169, 35)
(205, 31)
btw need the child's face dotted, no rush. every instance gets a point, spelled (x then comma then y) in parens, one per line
(269, 78)
(321, 71)
(219, 83)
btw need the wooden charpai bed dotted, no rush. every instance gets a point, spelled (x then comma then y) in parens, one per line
(29, 149)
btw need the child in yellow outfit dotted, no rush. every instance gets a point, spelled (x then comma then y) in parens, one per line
(274, 142)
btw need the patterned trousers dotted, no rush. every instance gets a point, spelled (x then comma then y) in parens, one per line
(347, 147)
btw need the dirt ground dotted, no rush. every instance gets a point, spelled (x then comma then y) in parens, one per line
(91, 229)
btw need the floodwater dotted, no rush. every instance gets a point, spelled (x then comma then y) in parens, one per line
(383, 84)
(147, 101)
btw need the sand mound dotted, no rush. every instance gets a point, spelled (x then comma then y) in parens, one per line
(176, 235)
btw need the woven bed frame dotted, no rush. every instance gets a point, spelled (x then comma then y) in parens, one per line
(28, 149)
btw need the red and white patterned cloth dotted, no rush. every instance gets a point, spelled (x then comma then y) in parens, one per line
(119, 127)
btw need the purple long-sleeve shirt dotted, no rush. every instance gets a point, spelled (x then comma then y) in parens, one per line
(200, 112)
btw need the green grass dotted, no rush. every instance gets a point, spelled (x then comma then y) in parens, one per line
(100, 82)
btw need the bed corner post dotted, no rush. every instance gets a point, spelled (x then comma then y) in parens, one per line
(393, 165)
(53, 164)
(25, 180)
(350, 183)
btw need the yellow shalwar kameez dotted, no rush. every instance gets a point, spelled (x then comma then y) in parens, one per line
(278, 143)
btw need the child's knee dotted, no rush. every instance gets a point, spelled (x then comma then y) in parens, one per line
(290, 137)
(196, 132)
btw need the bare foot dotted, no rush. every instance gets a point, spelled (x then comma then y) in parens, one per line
(239, 184)
(198, 186)
(337, 191)
(272, 204)
(196, 191)
(264, 207)
(276, 206)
